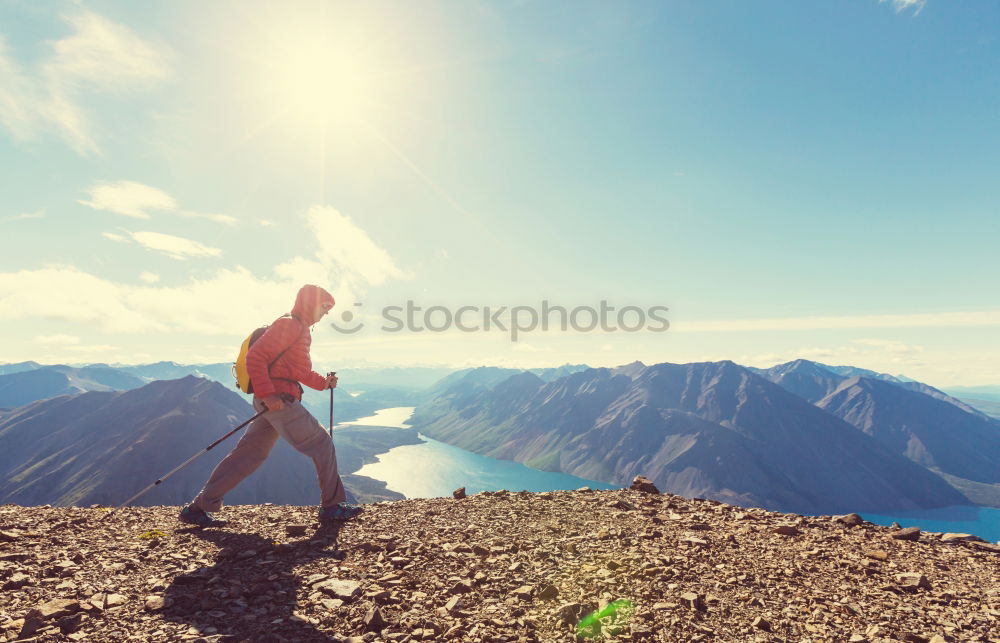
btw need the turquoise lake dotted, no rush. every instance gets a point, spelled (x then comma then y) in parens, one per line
(980, 521)
(435, 469)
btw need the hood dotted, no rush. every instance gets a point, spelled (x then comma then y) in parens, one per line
(307, 300)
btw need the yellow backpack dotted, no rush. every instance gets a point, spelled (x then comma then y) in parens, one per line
(240, 372)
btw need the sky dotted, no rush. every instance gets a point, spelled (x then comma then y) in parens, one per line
(787, 179)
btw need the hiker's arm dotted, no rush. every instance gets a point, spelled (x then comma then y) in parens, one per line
(275, 339)
(315, 381)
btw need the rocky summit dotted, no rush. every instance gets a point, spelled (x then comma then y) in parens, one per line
(625, 565)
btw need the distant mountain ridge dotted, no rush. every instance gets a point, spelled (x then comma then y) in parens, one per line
(28, 385)
(361, 391)
(712, 429)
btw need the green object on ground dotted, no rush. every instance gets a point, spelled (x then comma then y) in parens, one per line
(619, 612)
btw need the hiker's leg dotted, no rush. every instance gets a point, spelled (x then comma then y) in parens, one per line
(307, 435)
(249, 453)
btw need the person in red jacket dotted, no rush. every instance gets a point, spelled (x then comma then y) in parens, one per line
(278, 364)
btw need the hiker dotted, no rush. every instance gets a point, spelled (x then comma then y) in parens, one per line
(277, 363)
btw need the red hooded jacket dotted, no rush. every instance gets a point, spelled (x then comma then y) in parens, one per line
(292, 333)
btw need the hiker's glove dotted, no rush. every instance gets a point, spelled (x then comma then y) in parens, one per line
(331, 381)
(273, 402)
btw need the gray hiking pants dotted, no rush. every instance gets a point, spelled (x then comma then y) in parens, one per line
(300, 429)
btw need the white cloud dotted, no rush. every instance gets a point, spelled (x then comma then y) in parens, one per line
(99, 56)
(149, 277)
(129, 198)
(267, 224)
(344, 244)
(523, 347)
(173, 247)
(891, 346)
(220, 305)
(56, 340)
(137, 200)
(913, 320)
(871, 353)
(93, 348)
(231, 302)
(902, 5)
(114, 237)
(66, 293)
(218, 218)
(71, 343)
(37, 214)
(16, 99)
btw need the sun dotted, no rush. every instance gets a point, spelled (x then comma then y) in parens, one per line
(321, 81)
(316, 72)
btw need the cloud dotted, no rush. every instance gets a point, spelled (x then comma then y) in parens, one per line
(173, 247)
(344, 244)
(230, 302)
(93, 348)
(129, 198)
(66, 293)
(218, 218)
(913, 320)
(99, 56)
(219, 305)
(871, 353)
(137, 200)
(37, 214)
(891, 346)
(903, 5)
(17, 102)
(149, 277)
(56, 340)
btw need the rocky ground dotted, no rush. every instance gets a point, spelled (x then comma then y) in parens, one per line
(561, 566)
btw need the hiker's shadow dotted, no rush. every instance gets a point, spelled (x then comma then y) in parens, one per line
(250, 592)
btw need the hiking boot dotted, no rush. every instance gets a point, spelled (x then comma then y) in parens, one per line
(339, 513)
(195, 516)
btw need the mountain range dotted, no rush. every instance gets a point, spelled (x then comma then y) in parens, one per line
(800, 436)
(797, 437)
(104, 446)
(360, 393)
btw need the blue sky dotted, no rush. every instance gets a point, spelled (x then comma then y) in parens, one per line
(791, 179)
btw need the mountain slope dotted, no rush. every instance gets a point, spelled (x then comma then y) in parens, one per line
(930, 431)
(714, 429)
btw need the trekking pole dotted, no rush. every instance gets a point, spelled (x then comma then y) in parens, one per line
(184, 464)
(331, 405)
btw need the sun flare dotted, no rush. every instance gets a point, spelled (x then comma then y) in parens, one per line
(317, 76)
(321, 81)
